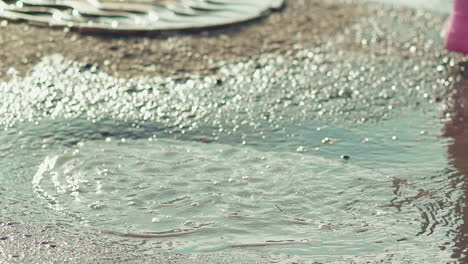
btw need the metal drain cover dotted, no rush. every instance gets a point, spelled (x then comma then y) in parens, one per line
(136, 15)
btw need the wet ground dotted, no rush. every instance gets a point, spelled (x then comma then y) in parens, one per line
(336, 138)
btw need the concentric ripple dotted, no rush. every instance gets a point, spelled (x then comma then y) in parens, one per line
(168, 188)
(136, 15)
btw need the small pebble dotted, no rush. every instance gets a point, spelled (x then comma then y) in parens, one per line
(345, 157)
(188, 223)
(105, 132)
(205, 139)
(327, 227)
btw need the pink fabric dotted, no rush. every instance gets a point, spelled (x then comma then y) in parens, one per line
(456, 38)
(460, 6)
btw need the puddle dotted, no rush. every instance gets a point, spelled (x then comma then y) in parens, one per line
(215, 195)
(331, 155)
(184, 195)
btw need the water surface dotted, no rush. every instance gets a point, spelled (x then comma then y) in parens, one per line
(331, 155)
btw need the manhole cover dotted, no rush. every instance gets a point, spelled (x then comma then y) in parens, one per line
(136, 15)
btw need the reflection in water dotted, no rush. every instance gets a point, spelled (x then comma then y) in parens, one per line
(457, 129)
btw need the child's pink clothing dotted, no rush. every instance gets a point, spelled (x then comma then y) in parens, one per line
(456, 38)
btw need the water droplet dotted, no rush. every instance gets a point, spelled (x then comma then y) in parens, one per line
(301, 149)
(328, 141)
(98, 205)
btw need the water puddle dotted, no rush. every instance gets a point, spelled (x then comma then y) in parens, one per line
(187, 195)
(217, 194)
(331, 155)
